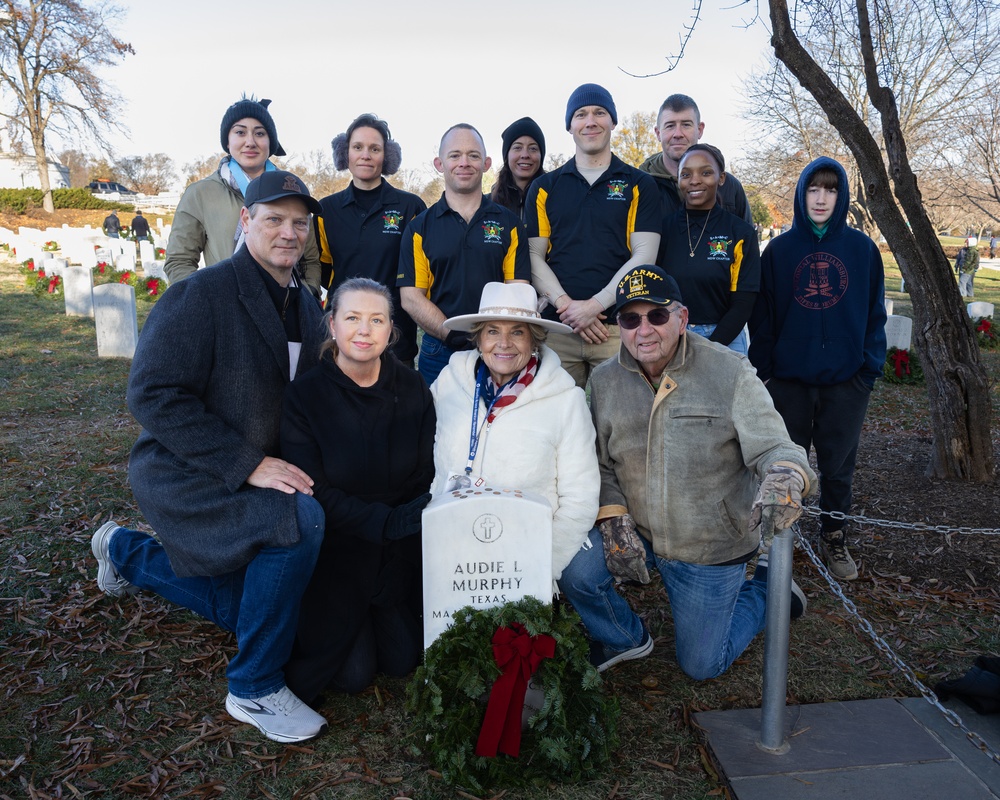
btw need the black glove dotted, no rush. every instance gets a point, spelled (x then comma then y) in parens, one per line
(404, 520)
(457, 340)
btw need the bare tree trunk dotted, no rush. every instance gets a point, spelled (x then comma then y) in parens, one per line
(957, 384)
(42, 161)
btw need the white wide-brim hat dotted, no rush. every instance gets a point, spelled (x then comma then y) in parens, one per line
(510, 302)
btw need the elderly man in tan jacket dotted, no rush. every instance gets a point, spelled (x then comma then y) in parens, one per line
(691, 450)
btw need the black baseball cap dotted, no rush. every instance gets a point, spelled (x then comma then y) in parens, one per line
(647, 282)
(276, 184)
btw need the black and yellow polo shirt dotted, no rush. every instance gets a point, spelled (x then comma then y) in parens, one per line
(451, 260)
(590, 228)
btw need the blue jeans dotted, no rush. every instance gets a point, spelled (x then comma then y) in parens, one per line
(716, 611)
(434, 357)
(259, 603)
(741, 344)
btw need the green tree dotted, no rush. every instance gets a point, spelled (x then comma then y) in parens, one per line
(634, 139)
(50, 52)
(759, 210)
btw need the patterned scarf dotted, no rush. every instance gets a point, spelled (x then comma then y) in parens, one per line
(497, 399)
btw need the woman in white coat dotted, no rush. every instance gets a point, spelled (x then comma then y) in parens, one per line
(509, 413)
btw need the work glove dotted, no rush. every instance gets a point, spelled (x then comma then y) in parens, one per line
(457, 340)
(781, 493)
(404, 520)
(623, 549)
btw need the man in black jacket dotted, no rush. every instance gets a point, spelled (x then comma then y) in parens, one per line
(238, 530)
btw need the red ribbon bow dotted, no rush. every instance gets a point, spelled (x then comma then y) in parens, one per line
(518, 656)
(901, 360)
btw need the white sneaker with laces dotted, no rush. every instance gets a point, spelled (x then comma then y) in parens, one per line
(108, 579)
(280, 716)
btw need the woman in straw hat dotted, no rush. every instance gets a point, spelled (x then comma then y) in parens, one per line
(509, 413)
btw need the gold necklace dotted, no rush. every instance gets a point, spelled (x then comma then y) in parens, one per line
(693, 247)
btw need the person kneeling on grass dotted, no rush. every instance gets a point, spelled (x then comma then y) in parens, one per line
(238, 531)
(685, 430)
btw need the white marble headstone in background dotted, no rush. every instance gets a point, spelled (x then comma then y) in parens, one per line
(979, 309)
(484, 547)
(114, 316)
(898, 332)
(78, 291)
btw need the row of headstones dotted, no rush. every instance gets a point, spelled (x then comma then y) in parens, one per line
(77, 245)
(899, 330)
(123, 263)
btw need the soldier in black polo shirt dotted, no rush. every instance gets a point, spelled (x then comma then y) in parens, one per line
(361, 228)
(589, 222)
(456, 247)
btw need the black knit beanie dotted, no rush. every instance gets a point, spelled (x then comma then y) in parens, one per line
(590, 94)
(525, 126)
(255, 109)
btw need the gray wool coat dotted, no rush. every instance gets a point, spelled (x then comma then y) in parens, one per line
(206, 385)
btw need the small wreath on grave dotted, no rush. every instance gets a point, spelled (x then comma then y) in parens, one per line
(152, 288)
(5, 248)
(160, 254)
(986, 334)
(569, 738)
(902, 366)
(31, 275)
(50, 247)
(50, 286)
(128, 277)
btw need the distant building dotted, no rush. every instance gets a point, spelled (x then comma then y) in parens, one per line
(21, 172)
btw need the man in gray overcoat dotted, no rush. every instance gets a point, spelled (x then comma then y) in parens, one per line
(237, 530)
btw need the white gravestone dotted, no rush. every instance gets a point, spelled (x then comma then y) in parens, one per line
(888, 305)
(154, 269)
(146, 252)
(125, 263)
(114, 316)
(980, 309)
(484, 547)
(56, 266)
(898, 332)
(78, 291)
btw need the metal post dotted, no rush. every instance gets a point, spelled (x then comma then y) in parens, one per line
(779, 602)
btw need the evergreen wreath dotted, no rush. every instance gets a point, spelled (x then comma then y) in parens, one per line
(986, 335)
(569, 739)
(908, 369)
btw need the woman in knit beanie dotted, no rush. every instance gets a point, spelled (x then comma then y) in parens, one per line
(207, 221)
(523, 156)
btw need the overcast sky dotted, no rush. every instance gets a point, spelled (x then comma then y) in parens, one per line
(421, 66)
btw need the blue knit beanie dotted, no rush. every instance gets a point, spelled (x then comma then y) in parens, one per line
(590, 94)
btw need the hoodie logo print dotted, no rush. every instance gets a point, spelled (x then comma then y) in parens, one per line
(819, 281)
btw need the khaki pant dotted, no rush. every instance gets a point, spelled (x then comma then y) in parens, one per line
(578, 357)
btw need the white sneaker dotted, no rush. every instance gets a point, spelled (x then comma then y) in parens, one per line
(280, 716)
(108, 579)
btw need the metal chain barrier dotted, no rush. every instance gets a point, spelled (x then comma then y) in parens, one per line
(813, 511)
(864, 625)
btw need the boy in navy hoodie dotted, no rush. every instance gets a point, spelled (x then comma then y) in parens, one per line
(818, 339)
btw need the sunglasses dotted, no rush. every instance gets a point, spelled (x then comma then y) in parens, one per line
(630, 320)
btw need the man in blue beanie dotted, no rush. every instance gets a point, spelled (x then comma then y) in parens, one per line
(589, 222)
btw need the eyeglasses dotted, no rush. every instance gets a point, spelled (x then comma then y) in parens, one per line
(630, 320)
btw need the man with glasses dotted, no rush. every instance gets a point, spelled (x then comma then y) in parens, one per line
(685, 431)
